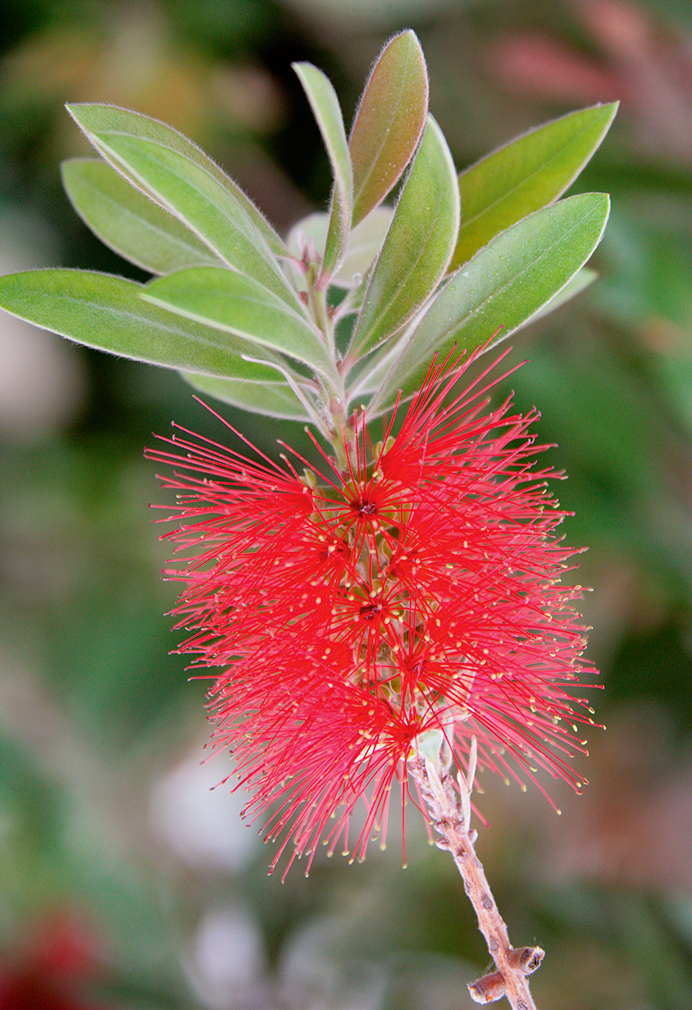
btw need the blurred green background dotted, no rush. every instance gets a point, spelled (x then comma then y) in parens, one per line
(125, 880)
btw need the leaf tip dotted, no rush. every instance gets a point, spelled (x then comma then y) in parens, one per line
(408, 35)
(611, 109)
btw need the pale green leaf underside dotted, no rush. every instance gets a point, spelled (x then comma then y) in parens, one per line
(130, 223)
(418, 246)
(389, 122)
(202, 204)
(108, 313)
(504, 285)
(237, 304)
(273, 399)
(364, 243)
(525, 175)
(327, 112)
(99, 119)
(179, 177)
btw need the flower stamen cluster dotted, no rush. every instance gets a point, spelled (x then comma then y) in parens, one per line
(355, 610)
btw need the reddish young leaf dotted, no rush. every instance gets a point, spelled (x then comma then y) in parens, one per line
(389, 122)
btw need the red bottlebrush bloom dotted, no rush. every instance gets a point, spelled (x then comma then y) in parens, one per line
(354, 611)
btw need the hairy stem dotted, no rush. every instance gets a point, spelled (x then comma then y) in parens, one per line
(450, 815)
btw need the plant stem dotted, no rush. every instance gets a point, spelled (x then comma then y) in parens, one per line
(450, 815)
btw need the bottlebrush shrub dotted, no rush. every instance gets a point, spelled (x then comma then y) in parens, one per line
(402, 605)
(357, 611)
(400, 610)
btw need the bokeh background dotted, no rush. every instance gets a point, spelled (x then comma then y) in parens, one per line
(126, 881)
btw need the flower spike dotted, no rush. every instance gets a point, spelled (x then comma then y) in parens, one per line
(349, 616)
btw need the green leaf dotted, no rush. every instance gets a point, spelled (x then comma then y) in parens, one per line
(389, 122)
(504, 285)
(177, 175)
(129, 222)
(327, 112)
(273, 399)
(418, 245)
(237, 304)
(95, 119)
(109, 314)
(583, 279)
(525, 175)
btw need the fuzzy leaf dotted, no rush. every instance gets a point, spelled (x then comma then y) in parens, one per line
(389, 122)
(327, 112)
(418, 246)
(94, 119)
(109, 314)
(504, 285)
(129, 222)
(177, 175)
(273, 399)
(525, 175)
(237, 304)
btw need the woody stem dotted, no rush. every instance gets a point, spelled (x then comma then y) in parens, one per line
(450, 815)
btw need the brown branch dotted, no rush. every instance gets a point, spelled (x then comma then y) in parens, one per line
(450, 813)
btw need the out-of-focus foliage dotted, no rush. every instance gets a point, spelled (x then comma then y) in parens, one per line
(125, 882)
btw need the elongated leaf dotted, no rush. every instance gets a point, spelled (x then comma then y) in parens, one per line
(129, 222)
(237, 304)
(178, 176)
(525, 175)
(203, 205)
(371, 378)
(389, 122)
(96, 119)
(418, 246)
(273, 399)
(504, 285)
(108, 313)
(327, 112)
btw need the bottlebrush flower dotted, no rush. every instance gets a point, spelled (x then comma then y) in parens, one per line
(354, 611)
